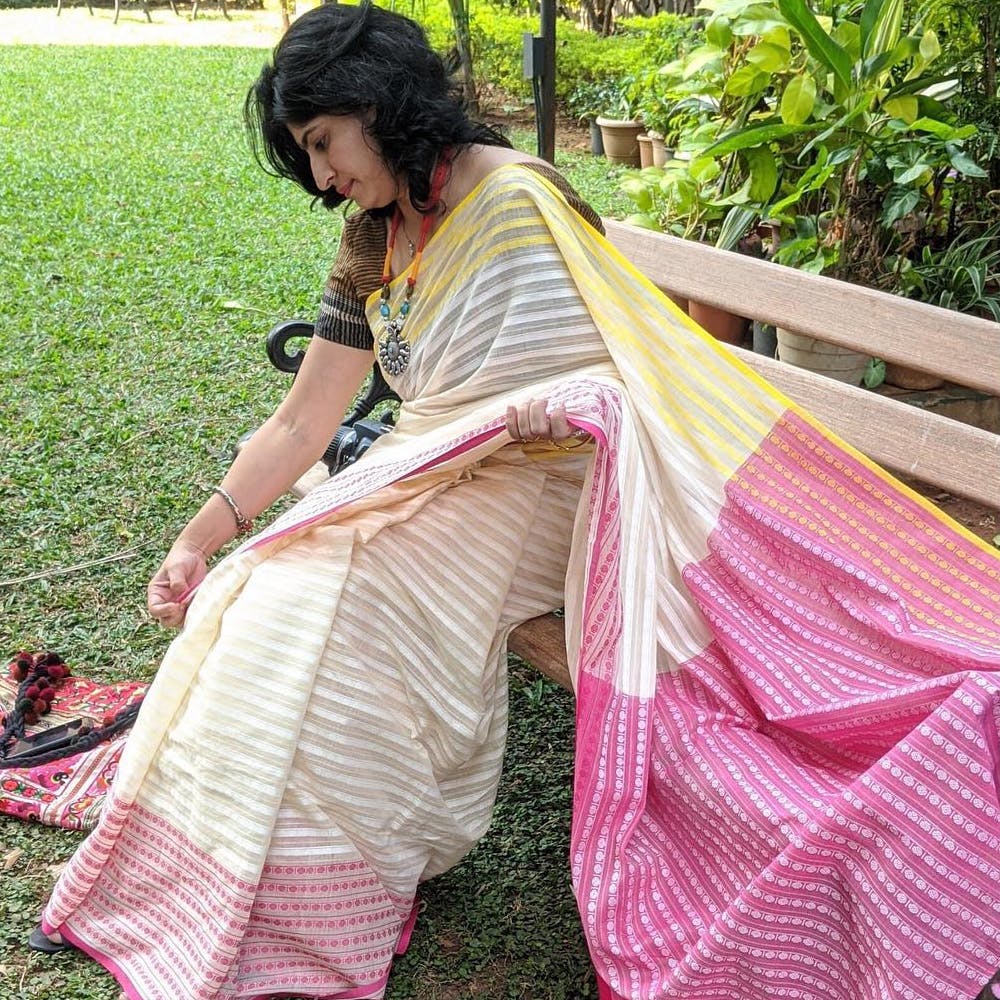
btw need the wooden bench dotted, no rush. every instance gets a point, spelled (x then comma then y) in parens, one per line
(956, 457)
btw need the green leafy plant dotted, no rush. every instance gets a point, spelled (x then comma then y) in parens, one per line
(837, 132)
(626, 99)
(964, 276)
(591, 98)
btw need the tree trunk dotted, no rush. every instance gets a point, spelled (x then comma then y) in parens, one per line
(988, 27)
(287, 9)
(463, 43)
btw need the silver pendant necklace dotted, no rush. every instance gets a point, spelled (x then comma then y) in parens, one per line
(393, 347)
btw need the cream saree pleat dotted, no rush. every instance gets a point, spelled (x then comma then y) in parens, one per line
(785, 667)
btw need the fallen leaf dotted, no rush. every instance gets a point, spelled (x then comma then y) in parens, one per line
(12, 857)
(236, 304)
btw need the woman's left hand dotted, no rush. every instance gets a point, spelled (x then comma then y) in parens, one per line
(532, 421)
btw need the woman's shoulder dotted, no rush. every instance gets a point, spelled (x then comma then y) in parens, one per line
(478, 163)
(488, 164)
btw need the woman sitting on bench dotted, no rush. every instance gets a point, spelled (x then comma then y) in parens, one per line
(785, 662)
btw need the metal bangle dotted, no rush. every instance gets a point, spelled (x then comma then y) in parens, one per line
(244, 524)
(572, 447)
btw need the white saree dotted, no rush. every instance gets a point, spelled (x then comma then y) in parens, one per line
(784, 663)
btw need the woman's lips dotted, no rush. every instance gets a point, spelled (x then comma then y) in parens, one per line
(345, 191)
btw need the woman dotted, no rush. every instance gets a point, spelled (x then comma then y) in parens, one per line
(787, 737)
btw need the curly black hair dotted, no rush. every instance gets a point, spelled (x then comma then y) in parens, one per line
(369, 62)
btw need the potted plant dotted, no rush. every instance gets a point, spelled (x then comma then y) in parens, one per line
(827, 131)
(586, 102)
(620, 124)
(662, 122)
(964, 276)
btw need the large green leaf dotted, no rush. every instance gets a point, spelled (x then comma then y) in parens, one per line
(718, 32)
(964, 163)
(798, 100)
(643, 221)
(941, 129)
(906, 108)
(763, 174)
(869, 16)
(820, 45)
(746, 81)
(638, 192)
(769, 58)
(735, 225)
(754, 135)
(899, 202)
(930, 47)
(885, 33)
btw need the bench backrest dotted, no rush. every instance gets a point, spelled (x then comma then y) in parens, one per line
(957, 457)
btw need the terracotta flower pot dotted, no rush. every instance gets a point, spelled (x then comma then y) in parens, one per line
(621, 140)
(720, 323)
(904, 377)
(645, 150)
(661, 152)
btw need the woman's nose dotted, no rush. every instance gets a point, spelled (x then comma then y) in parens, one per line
(322, 173)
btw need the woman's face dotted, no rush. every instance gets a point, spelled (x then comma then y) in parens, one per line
(341, 157)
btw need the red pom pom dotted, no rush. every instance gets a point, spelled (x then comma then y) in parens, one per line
(18, 671)
(30, 718)
(57, 672)
(49, 659)
(47, 695)
(33, 692)
(108, 719)
(43, 683)
(41, 706)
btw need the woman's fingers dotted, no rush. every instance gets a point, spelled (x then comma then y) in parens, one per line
(531, 421)
(559, 426)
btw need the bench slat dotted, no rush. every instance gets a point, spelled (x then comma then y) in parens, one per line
(542, 643)
(957, 347)
(959, 458)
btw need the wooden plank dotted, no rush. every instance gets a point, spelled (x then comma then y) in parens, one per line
(542, 643)
(962, 459)
(959, 348)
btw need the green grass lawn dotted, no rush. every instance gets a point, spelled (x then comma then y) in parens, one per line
(144, 257)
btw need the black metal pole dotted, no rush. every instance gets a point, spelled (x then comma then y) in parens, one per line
(547, 110)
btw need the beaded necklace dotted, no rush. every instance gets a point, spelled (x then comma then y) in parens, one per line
(393, 347)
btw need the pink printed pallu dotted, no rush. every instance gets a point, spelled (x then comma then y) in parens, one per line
(785, 666)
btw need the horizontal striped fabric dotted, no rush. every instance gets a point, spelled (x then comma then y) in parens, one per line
(785, 667)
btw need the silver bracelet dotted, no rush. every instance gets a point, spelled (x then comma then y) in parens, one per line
(244, 525)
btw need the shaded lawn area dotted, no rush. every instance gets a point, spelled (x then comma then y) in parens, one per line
(144, 256)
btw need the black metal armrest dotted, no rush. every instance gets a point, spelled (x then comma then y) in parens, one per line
(277, 344)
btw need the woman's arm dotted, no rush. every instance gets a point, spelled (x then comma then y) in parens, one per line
(291, 441)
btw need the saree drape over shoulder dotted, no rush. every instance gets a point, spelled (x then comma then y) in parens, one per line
(785, 667)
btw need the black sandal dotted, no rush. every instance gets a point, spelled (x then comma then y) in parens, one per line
(38, 940)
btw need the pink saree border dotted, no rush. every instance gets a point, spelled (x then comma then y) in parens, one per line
(340, 922)
(893, 786)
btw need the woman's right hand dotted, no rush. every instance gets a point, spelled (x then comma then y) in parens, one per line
(183, 569)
